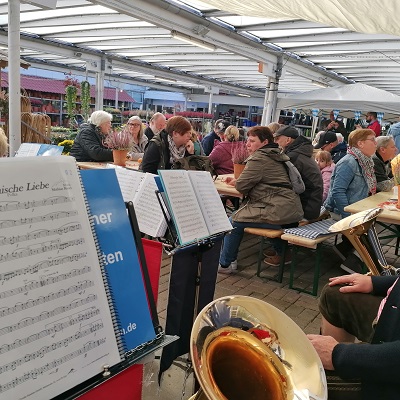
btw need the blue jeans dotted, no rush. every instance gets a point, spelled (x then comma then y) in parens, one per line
(232, 241)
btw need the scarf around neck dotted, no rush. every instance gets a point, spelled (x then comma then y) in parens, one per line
(175, 152)
(367, 166)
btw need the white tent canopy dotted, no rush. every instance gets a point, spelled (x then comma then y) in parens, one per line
(348, 14)
(347, 99)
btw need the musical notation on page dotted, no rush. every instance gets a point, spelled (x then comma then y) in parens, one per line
(54, 312)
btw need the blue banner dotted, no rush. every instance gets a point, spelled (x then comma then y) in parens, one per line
(119, 255)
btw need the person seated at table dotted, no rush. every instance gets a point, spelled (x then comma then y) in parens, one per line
(198, 148)
(366, 308)
(385, 151)
(299, 149)
(136, 129)
(269, 200)
(221, 155)
(88, 144)
(340, 150)
(209, 140)
(353, 179)
(156, 125)
(172, 143)
(3, 144)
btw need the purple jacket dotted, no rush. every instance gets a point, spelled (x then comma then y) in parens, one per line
(221, 157)
(326, 178)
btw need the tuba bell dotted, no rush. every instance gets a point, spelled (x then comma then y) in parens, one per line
(360, 229)
(244, 348)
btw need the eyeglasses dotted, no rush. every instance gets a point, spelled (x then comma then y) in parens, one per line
(371, 139)
(129, 123)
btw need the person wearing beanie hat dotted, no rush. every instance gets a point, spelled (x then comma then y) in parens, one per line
(327, 141)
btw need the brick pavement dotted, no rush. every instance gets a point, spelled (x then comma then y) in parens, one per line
(302, 308)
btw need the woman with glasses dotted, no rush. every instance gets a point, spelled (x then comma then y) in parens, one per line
(353, 179)
(140, 140)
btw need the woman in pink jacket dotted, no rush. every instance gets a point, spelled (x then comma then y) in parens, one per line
(326, 166)
(221, 155)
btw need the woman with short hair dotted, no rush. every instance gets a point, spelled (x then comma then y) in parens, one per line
(353, 179)
(269, 200)
(136, 129)
(88, 144)
(171, 144)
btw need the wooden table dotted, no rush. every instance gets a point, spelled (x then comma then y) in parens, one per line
(222, 187)
(225, 189)
(102, 165)
(386, 216)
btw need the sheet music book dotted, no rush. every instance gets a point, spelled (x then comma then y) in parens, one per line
(38, 149)
(123, 271)
(140, 188)
(57, 325)
(194, 204)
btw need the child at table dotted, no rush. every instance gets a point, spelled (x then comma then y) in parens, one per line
(326, 165)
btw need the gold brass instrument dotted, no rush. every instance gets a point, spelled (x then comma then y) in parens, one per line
(360, 229)
(244, 348)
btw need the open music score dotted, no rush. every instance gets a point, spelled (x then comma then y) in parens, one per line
(194, 204)
(56, 329)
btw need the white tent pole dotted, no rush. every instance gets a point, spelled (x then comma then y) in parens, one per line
(268, 112)
(210, 103)
(264, 114)
(100, 85)
(314, 127)
(14, 84)
(274, 102)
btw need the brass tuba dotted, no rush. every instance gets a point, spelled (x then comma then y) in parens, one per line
(244, 348)
(360, 229)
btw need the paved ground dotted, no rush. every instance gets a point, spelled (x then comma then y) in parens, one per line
(302, 308)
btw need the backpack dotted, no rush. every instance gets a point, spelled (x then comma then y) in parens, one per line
(195, 163)
(295, 178)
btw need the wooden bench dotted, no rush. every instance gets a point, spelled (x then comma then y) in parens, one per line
(314, 244)
(268, 234)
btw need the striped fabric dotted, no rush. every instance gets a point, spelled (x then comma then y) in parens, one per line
(314, 230)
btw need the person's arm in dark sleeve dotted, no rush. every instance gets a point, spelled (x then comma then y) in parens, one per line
(370, 362)
(381, 284)
(207, 145)
(94, 149)
(151, 158)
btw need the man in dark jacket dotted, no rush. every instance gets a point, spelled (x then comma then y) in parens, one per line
(300, 150)
(355, 306)
(156, 125)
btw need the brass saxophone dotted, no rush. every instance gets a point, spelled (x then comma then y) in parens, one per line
(360, 229)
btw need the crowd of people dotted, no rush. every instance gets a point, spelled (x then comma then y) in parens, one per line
(337, 169)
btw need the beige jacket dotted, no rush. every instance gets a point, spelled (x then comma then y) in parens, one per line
(267, 189)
